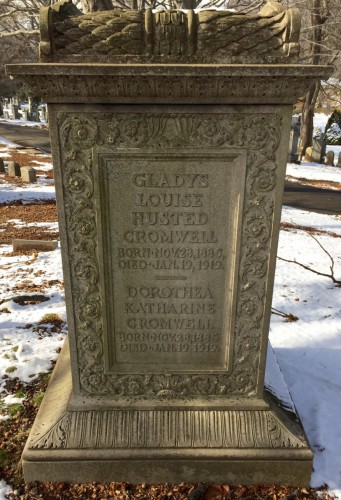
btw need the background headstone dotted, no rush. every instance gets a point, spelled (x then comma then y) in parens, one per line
(308, 154)
(28, 174)
(14, 169)
(329, 158)
(319, 149)
(295, 132)
(38, 245)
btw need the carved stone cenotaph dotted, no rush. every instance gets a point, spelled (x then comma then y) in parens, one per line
(169, 134)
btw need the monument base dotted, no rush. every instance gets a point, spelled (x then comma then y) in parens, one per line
(167, 445)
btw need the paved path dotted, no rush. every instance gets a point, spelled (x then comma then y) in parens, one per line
(26, 136)
(295, 195)
(323, 201)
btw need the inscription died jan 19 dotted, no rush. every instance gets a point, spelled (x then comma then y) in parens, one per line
(169, 235)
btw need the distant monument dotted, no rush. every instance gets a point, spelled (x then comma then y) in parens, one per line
(318, 148)
(170, 136)
(294, 138)
(329, 158)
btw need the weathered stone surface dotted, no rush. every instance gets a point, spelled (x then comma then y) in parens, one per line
(14, 169)
(339, 161)
(208, 36)
(247, 145)
(39, 245)
(162, 445)
(308, 154)
(294, 139)
(28, 174)
(329, 158)
(318, 149)
(172, 84)
(2, 166)
(169, 200)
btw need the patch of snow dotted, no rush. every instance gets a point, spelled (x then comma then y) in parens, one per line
(12, 400)
(323, 222)
(23, 123)
(27, 192)
(309, 350)
(28, 348)
(5, 489)
(43, 165)
(7, 142)
(43, 189)
(314, 171)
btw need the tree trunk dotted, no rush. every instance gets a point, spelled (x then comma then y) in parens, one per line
(96, 5)
(318, 14)
(307, 128)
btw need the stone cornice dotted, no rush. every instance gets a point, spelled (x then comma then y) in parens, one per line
(169, 83)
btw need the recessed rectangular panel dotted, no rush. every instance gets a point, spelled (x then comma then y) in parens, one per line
(169, 243)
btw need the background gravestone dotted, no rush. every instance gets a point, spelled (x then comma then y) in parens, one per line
(294, 138)
(330, 158)
(14, 169)
(28, 174)
(169, 177)
(308, 154)
(319, 149)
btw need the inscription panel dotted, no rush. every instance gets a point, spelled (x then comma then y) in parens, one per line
(132, 131)
(169, 230)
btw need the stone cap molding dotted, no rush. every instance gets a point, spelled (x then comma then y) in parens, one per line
(271, 35)
(169, 83)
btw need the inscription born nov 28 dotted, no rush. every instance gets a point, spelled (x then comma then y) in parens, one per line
(169, 233)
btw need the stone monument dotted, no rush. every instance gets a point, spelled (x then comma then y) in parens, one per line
(294, 138)
(169, 135)
(329, 160)
(319, 149)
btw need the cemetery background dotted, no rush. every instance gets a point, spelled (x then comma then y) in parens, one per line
(32, 331)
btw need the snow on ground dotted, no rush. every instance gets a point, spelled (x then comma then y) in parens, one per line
(27, 345)
(308, 350)
(8, 144)
(43, 189)
(24, 123)
(314, 171)
(4, 489)
(27, 193)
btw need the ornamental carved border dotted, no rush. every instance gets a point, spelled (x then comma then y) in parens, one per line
(81, 133)
(167, 88)
(170, 429)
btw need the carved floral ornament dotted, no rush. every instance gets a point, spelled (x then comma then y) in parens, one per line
(65, 85)
(80, 135)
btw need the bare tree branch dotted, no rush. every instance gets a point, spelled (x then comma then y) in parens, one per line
(308, 268)
(19, 32)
